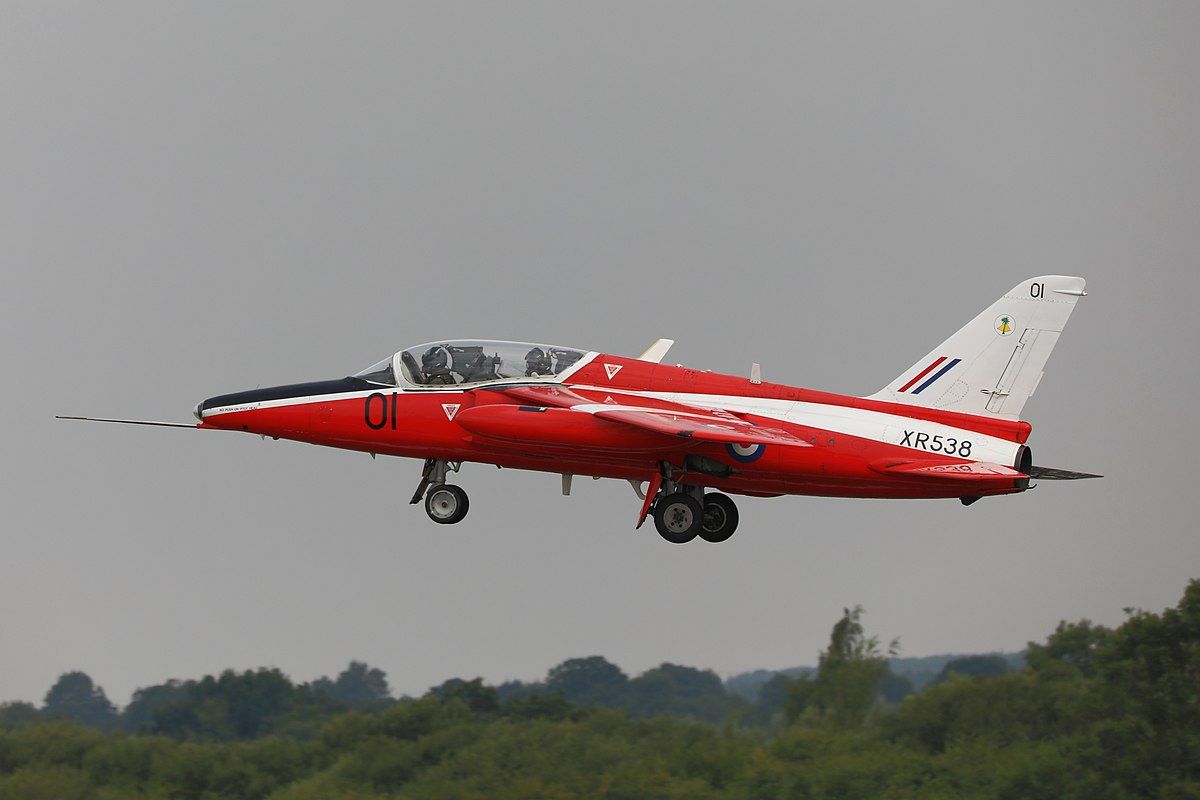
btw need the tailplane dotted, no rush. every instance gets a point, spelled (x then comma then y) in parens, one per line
(995, 361)
(1052, 474)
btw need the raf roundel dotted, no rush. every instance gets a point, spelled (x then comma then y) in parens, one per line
(745, 453)
(1004, 325)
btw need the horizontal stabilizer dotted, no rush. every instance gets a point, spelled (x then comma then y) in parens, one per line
(134, 422)
(1052, 474)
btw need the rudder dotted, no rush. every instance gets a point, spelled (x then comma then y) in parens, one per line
(993, 364)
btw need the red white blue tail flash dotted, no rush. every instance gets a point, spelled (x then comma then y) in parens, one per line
(949, 366)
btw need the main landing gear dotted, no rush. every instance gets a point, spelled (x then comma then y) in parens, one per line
(682, 512)
(445, 503)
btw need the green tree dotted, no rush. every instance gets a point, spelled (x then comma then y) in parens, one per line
(849, 672)
(357, 686)
(43, 783)
(18, 713)
(983, 666)
(480, 699)
(518, 690)
(75, 697)
(768, 706)
(138, 716)
(589, 681)
(1149, 673)
(1001, 710)
(893, 687)
(242, 705)
(1071, 647)
(680, 690)
(540, 705)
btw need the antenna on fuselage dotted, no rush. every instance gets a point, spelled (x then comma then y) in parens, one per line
(756, 373)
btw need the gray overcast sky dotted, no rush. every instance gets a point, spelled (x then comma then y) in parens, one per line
(204, 197)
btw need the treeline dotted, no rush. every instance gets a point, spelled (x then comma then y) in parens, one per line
(233, 705)
(917, 672)
(1095, 713)
(256, 703)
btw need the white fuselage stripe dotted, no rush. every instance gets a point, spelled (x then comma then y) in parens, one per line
(874, 425)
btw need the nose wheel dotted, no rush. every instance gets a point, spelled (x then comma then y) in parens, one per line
(446, 504)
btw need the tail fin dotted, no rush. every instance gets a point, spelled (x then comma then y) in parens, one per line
(995, 361)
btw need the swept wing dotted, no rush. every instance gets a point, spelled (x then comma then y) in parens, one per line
(672, 419)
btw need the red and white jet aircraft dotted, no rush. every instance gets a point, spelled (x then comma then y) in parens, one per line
(946, 427)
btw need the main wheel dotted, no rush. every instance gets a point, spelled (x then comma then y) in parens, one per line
(720, 518)
(446, 504)
(677, 517)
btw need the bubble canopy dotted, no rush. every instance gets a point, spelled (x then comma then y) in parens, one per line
(459, 362)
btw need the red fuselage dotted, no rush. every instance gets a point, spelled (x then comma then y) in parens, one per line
(855, 447)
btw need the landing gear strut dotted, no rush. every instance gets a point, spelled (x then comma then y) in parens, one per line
(445, 503)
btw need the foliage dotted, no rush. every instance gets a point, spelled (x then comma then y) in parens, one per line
(846, 686)
(894, 687)
(233, 705)
(1109, 714)
(138, 716)
(357, 686)
(681, 691)
(75, 697)
(18, 713)
(589, 681)
(666, 689)
(473, 694)
(768, 708)
(1072, 647)
(982, 666)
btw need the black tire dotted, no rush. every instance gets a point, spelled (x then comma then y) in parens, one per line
(720, 518)
(446, 504)
(677, 517)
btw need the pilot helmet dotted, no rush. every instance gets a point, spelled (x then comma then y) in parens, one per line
(435, 360)
(537, 362)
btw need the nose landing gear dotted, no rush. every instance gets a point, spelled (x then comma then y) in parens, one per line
(445, 503)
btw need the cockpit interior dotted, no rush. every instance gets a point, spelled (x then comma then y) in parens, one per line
(462, 362)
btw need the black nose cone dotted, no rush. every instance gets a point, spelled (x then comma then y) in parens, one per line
(294, 390)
